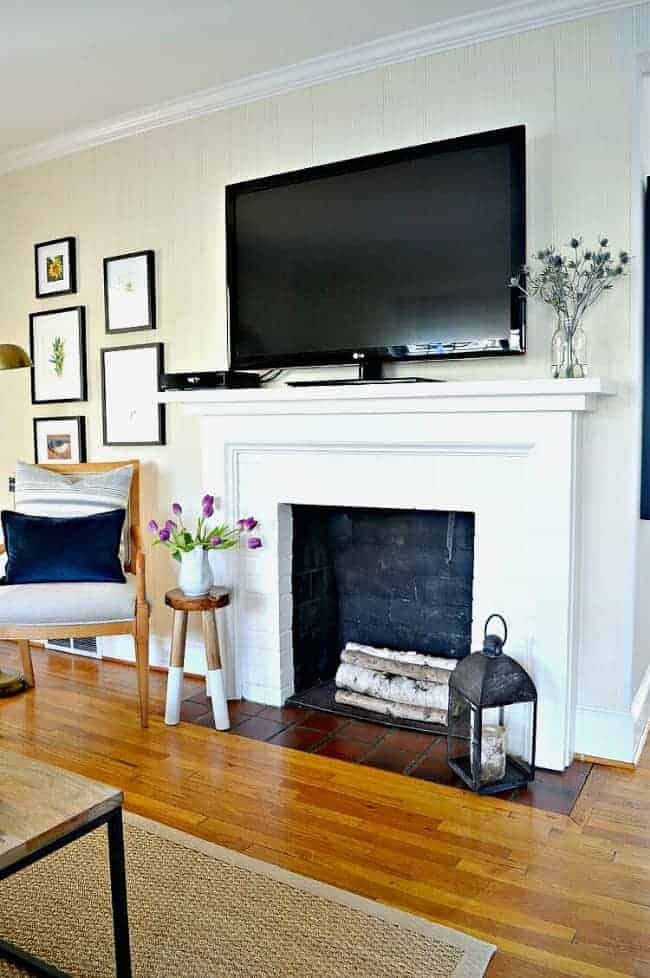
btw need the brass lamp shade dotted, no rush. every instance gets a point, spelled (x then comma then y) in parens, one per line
(12, 357)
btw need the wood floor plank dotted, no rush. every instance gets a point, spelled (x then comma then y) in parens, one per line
(560, 896)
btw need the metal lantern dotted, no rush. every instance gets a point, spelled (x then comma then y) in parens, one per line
(492, 708)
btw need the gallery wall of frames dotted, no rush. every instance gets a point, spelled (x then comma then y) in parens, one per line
(130, 374)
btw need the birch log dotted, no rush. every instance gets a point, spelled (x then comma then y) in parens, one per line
(398, 711)
(395, 689)
(433, 669)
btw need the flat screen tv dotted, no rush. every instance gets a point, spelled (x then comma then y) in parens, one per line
(404, 255)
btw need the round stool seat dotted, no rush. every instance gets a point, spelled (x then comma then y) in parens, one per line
(217, 597)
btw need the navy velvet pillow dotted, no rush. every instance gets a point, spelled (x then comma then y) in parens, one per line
(55, 550)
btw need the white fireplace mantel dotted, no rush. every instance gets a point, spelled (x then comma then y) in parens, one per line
(511, 452)
(398, 398)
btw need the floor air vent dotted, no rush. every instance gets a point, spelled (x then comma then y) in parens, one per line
(79, 646)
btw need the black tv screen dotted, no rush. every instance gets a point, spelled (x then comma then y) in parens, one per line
(402, 255)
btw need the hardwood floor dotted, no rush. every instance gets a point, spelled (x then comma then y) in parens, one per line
(406, 752)
(559, 895)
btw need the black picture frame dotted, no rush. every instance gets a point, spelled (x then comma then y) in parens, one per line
(83, 373)
(71, 244)
(161, 438)
(80, 421)
(150, 260)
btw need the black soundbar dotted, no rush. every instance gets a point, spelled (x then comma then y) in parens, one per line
(203, 380)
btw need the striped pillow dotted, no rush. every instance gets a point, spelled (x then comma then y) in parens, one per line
(40, 492)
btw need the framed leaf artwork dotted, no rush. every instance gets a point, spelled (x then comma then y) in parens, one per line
(130, 292)
(57, 342)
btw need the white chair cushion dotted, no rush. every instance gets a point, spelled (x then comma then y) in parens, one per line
(66, 604)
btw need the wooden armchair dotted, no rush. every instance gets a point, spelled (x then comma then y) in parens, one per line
(124, 612)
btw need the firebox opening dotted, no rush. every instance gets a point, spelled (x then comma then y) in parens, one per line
(388, 578)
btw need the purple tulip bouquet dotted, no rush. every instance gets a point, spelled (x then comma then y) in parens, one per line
(174, 535)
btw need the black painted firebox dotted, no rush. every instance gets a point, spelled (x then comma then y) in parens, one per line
(394, 578)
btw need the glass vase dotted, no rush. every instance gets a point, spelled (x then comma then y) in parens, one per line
(569, 350)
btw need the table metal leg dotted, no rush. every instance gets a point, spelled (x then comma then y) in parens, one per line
(113, 821)
(23, 959)
(118, 895)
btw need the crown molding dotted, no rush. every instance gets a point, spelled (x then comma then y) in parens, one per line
(510, 18)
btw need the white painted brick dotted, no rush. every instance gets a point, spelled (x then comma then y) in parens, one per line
(285, 618)
(284, 584)
(260, 693)
(253, 640)
(260, 607)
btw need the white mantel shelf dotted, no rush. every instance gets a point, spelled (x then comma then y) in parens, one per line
(411, 398)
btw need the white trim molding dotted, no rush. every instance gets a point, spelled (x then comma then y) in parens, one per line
(121, 647)
(605, 734)
(455, 32)
(640, 711)
(615, 735)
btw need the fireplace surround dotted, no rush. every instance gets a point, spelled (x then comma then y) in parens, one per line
(508, 452)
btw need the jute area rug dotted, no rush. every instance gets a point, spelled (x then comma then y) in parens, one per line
(200, 911)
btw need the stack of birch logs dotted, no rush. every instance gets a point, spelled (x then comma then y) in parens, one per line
(401, 685)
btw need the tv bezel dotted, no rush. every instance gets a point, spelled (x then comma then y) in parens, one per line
(515, 136)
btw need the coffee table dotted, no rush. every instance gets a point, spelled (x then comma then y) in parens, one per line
(42, 809)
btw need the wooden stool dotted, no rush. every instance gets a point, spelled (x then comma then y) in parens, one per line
(207, 604)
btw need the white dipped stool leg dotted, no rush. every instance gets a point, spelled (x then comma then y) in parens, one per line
(219, 701)
(176, 667)
(216, 688)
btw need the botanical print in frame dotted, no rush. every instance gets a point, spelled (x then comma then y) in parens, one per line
(58, 349)
(55, 267)
(130, 292)
(131, 412)
(59, 441)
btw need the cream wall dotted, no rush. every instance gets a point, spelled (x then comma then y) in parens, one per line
(164, 190)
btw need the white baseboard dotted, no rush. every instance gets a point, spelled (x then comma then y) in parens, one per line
(615, 735)
(641, 714)
(121, 647)
(608, 734)
(642, 742)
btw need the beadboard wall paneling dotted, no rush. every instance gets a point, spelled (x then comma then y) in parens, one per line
(165, 190)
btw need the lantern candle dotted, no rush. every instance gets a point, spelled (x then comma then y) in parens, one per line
(493, 753)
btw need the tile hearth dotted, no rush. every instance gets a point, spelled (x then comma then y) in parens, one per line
(405, 752)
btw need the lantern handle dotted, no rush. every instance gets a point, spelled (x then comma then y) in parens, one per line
(503, 622)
